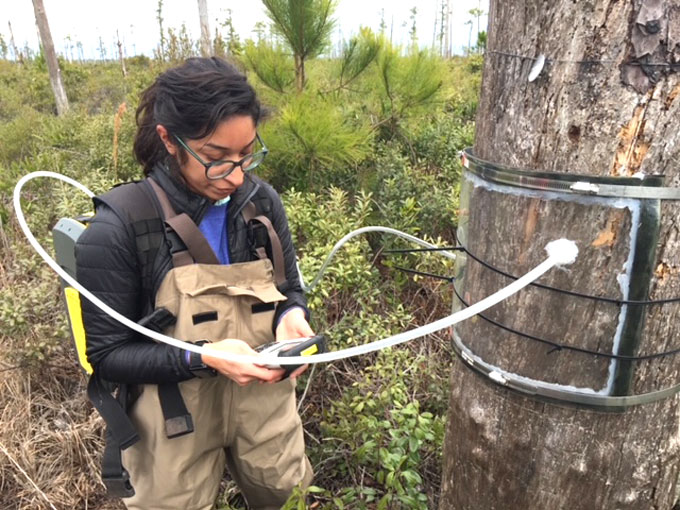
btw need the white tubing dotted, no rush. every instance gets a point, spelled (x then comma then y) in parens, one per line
(563, 252)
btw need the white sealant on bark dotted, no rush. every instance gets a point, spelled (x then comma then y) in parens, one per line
(624, 284)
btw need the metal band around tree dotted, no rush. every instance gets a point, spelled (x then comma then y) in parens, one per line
(643, 188)
(552, 392)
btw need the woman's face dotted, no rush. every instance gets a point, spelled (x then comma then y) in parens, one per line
(233, 139)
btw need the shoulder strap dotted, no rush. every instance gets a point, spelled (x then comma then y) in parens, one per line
(250, 214)
(129, 199)
(134, 204)
(198, 248)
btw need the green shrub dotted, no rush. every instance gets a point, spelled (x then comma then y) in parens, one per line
(24, 86)
(385, 434)
(313, 145)
(352, 291)
(466, 78)
(416, 198)
(379, 425)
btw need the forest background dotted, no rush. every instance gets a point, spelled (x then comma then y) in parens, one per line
(368, 137)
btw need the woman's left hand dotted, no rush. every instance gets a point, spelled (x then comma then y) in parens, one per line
(294, 325)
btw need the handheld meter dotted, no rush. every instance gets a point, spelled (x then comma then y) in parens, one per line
(296, 347)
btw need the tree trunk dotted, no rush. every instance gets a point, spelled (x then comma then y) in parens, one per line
(50, 57)
(120, 55)
(206, 47)
(447, 30)
(299, 72)
(17, 54)
(434, 30)
(161, 44)
(586, 113)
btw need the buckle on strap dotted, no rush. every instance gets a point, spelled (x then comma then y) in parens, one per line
(179, 426)
(119, 486)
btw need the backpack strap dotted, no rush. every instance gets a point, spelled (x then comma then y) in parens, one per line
(250, 215)
(198, 248)
(120, 434)
(133, 202)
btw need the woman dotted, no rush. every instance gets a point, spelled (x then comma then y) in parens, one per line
(197, 140)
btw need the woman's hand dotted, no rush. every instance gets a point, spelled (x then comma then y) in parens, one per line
(294, 325)
(241, 373)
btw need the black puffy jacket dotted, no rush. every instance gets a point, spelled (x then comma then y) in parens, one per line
(107, 265)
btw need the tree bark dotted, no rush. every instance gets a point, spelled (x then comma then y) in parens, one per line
(50, 57)
(594, 109)
(206, 47)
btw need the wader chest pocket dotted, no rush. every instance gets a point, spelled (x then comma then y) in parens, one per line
(213, 302)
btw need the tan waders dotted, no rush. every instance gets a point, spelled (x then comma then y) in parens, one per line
(255, 430)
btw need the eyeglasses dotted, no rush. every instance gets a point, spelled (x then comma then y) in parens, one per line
(216, 170)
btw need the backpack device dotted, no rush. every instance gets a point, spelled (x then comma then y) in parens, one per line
(65, 234)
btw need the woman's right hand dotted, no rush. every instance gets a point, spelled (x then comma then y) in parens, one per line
(241, 373)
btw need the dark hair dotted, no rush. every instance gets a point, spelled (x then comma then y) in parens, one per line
(190, 101)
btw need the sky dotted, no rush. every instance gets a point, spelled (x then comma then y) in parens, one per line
(86, 21)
